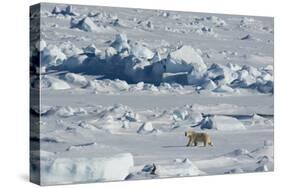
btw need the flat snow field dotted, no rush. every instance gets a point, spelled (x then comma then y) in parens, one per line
(120, 87)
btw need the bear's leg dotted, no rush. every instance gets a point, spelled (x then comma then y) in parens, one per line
(205, 143)
(189, 142)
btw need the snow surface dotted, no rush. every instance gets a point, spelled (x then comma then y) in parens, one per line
(119, 87)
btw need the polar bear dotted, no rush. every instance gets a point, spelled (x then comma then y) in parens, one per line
(195, 138)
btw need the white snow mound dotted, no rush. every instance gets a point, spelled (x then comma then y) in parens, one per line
(52, 55)
(221, 123)
(74, 170)
(186, 168)
(48, 82)
(141, 51)
(86, 24)
(67, 111)
(224, 89)
(76, 79)
(147, 128)
(120, 43)
(227, 123)
(185, 59)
